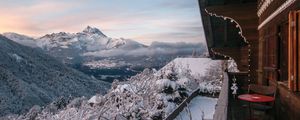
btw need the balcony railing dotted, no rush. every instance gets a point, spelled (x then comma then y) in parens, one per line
(222, 104)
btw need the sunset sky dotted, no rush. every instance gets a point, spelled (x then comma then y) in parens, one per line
(141, 20)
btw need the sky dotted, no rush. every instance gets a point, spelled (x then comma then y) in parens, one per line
(142, 20)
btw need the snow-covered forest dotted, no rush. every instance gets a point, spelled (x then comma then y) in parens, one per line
(152, 94)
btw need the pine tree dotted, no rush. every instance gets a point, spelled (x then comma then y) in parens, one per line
(194, 54)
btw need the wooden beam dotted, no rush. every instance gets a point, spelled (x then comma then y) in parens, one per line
(234, 7)
(297, 21)
(237, 54)
(234, 10)
(225, 33)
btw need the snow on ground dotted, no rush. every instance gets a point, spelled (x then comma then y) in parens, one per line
(106, 63)
(199, 108)
(207, 72)
(198, 66)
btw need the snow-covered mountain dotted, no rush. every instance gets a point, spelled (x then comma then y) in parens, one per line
(30, 77)
(71, 47)
(98, 55)
(151, 94)
(89, 40)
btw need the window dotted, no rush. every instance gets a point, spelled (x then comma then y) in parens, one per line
(270, 54)
(282, 57)
(294, 51)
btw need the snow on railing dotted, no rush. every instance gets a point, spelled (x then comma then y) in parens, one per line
(222, 104)
(221, 107)
(181, 106)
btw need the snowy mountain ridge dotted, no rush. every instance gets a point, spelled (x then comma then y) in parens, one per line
(90, 39)
(91, 30)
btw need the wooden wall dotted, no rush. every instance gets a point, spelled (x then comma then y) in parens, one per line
(268, 46)
(273, 39)
(268, 37)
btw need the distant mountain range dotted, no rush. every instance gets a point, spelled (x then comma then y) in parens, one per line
(95, 54)
(36, 71)
(30, 77)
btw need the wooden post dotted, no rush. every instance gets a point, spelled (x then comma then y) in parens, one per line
(297, 21)
(290, 53)
(290, 80)
(294, 51)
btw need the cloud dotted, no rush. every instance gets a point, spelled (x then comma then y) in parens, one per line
(30, 19)
(155, 49)
(179, 4)
(176, 36)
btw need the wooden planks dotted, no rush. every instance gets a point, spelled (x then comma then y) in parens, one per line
(288, 105)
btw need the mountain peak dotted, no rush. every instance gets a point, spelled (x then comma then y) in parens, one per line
(92, 30)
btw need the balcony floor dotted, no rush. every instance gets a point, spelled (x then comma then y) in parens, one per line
(239, 110)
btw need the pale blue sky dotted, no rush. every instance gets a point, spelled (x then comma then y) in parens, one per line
(141, 20)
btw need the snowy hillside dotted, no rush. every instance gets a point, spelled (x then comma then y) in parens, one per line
(149, 95)
(198, 66)
(206, 71)
(29, 77)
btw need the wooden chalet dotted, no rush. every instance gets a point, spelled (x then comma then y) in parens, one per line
(263, 37)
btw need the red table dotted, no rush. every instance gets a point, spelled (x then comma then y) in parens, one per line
(255, 98)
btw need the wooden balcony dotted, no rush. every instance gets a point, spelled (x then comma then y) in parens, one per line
(237, 109)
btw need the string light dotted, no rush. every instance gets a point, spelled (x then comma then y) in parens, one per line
(241, 34)
(231, 20)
